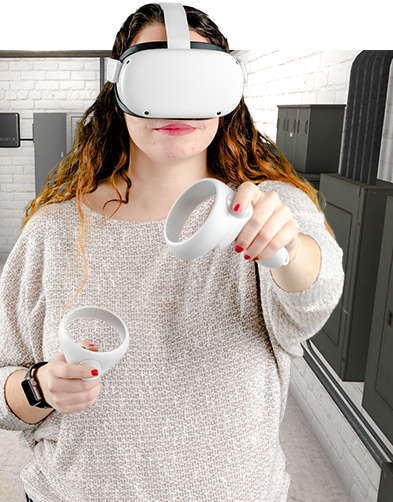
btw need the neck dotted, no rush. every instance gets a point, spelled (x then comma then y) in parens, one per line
(157, 185)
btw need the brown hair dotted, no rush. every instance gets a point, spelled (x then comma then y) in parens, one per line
(238, 153)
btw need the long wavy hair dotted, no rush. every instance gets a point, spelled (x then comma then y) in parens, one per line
(238, 153)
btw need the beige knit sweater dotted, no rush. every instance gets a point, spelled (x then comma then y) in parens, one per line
(192, 412)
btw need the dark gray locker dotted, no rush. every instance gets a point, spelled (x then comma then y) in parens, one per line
(385, 492)
(356, 212)
(50, 144)
(310, 136)
(378, 386)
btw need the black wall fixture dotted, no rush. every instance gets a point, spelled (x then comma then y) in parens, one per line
(361, 144)
(9, 130)
(355, 209)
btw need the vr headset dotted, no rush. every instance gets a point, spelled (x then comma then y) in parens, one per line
(177, 79)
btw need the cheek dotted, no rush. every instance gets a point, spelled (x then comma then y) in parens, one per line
(210, 130)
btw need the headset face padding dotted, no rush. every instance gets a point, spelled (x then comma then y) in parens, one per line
(177, 79)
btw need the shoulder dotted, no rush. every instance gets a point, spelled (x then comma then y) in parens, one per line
(52, 216)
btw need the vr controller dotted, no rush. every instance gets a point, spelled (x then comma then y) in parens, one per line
(177, 79)
(102, 361)
(220, 228)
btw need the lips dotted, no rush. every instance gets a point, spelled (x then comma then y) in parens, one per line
(176, 129)
(180, 126)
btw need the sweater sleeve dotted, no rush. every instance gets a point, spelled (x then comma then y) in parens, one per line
(294, 317)
(22, 309)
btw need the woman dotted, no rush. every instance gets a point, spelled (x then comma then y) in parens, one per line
(192, 411)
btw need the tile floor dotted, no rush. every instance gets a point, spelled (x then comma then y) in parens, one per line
(314, 478)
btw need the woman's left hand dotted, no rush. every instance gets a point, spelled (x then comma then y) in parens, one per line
(271, 226)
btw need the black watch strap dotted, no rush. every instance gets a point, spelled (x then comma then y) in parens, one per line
(32, 390)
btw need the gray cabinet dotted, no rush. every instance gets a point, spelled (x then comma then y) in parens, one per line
(386, 483)
(378, 385)
(50, 144)
(356, 212)
(310, 136)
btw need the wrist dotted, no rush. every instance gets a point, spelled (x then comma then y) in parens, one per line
(32, 388)
(304, 269)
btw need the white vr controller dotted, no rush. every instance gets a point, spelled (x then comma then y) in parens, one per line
(221, 227)
(102, 361)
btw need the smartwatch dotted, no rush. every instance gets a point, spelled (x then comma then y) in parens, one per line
(32, 390)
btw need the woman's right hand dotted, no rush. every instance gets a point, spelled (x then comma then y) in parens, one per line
(62, 384)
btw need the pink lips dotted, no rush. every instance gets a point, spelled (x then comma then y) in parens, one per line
(176, 129)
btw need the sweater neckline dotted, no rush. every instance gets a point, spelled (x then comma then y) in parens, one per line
(113, 221)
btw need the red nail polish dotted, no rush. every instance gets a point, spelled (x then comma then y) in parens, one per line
(238, 249)
(255, 259)
(246, 257)
(94, 372)
(238, 208)
(91, 344)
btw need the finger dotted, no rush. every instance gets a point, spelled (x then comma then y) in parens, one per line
(266, 251)
(264, 209)
(76, 403)
(247, 193)
(73, 371)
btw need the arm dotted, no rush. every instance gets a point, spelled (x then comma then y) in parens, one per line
(298, 299)
(23, 310)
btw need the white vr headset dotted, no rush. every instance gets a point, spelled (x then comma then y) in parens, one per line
(177, 79)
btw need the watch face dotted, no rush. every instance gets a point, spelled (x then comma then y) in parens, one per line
(30, 388)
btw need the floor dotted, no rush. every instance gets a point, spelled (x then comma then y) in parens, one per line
(313, 477)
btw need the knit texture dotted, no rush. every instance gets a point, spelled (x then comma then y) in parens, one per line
(192, 411)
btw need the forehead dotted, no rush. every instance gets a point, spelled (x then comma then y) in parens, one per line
(155, 32)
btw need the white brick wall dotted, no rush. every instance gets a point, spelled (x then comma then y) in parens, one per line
(28, 86)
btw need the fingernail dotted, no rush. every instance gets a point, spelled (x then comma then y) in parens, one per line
(92, 345)
(238, 249)
(246, 257)
(238, 208)
(255, 259)
(94, 372)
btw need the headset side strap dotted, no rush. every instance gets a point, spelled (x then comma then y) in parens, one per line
(113, 70)
(176, 25)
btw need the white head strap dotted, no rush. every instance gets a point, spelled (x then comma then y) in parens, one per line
(176, 25)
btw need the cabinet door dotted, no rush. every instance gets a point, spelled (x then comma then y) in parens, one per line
(50, 144)
(378, 386)
(281, 126)
(302, 128)
(290, 138)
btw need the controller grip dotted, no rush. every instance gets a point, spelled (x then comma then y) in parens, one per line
(281, 258)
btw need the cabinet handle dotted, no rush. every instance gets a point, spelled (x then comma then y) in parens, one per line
(306, 127)
(298, 126)
(278, 124)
